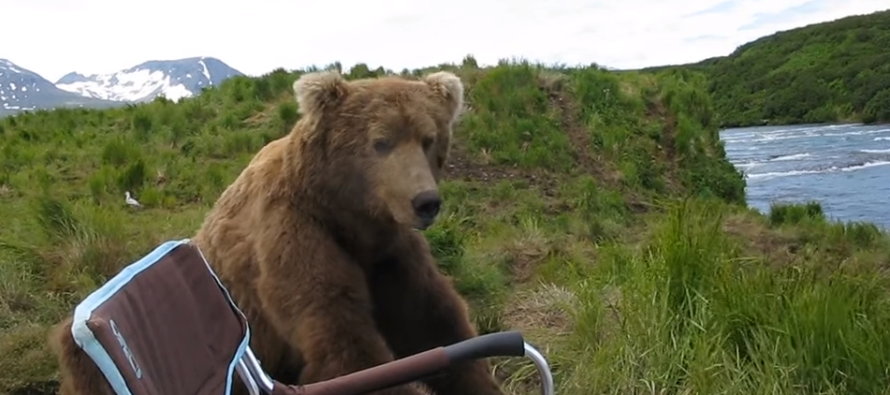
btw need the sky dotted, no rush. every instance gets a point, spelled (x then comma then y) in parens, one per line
(55, 37)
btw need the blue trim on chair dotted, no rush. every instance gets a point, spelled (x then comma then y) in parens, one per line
(242, 348)
(85, 338)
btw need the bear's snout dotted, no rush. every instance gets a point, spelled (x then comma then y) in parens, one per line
(426, 206)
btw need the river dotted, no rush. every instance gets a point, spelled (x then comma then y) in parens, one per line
(844, 167)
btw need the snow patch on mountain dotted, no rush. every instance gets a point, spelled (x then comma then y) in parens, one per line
(127, 86)
(173, 79)
(16, 85)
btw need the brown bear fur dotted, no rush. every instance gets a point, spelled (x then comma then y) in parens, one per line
(317, 238)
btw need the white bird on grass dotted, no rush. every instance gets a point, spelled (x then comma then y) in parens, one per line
(132, 202)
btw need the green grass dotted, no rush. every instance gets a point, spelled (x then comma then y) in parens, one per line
(594, 211)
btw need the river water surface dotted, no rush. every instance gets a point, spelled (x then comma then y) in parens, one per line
(844, 167)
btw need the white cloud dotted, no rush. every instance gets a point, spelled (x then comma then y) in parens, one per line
(53, 37)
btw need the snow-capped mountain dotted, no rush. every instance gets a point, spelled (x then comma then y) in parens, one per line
(173, 79)
(23, 89)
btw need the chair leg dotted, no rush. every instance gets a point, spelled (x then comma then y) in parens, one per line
(247, 378)
(256, 379)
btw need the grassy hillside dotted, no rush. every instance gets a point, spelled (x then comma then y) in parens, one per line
(594, 211)
(825, 72)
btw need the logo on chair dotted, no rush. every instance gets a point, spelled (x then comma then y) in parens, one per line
(120, 339)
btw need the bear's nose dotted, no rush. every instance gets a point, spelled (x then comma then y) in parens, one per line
(427, 204)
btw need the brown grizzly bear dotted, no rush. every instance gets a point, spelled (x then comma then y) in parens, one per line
(318, 238)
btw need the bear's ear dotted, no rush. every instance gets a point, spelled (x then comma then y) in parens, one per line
(317, 90)
(450, 87)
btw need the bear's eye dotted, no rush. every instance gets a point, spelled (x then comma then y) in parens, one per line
(382, 146)
(427, 143)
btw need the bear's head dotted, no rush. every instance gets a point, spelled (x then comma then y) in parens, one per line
(377, 147)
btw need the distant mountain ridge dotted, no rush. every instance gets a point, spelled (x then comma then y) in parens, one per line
(174, 79)
(22, 89)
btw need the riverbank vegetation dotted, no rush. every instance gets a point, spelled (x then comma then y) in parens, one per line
(837, 71)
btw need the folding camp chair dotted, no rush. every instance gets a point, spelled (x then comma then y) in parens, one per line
(166, 325)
